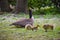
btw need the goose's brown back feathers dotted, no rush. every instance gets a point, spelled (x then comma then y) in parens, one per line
(23, 22)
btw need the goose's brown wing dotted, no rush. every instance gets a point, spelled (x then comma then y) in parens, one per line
(23, 22)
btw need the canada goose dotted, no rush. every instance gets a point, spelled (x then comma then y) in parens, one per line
(31, 27)
(47, 26)
(23, 22)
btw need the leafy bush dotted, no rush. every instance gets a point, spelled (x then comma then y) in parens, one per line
(39, 3)
(45, 10)
(13, 2)
(44, 6)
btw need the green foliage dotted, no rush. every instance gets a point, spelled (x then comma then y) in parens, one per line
(39, 3)
(44, 6)
(13, 2)
(45, 10)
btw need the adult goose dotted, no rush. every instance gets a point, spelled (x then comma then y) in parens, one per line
(23, 22)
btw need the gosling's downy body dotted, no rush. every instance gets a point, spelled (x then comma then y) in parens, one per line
(31, 27)
(47, 26)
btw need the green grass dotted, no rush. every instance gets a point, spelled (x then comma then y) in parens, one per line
(12, 33)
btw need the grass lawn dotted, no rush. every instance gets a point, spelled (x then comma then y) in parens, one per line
(12, 33)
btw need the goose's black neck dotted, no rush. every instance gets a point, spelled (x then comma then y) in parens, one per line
(30, 13)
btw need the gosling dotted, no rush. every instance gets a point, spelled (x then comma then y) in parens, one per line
(31, 27)
(47, 26)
